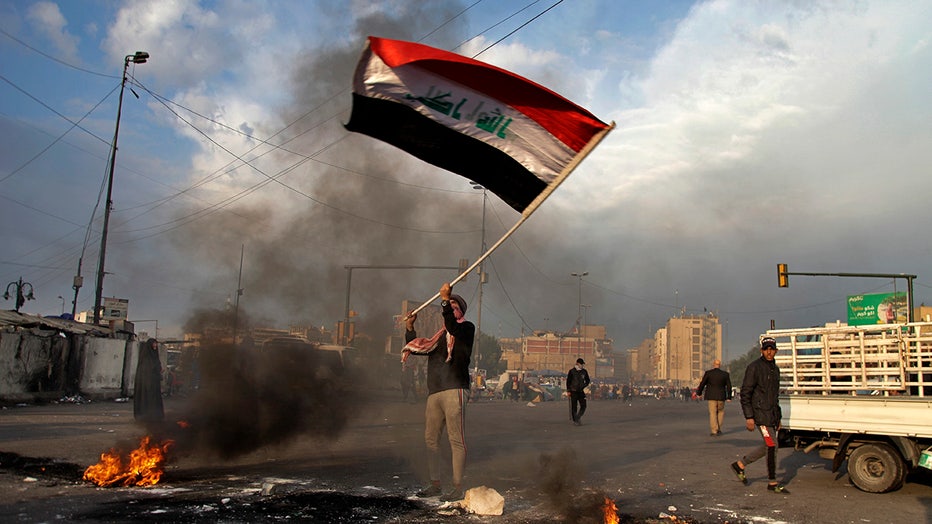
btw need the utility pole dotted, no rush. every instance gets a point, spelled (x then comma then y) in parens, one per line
(239, 292)
(579, 314)
(140, 57)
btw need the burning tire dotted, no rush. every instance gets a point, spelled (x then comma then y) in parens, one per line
(876, 468)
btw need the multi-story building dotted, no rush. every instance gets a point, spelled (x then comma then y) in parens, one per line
(659, 357)
(552, 351)
(640, 363)
(686, 347)
(678, 353)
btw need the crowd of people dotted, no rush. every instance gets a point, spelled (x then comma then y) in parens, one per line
(529, 386)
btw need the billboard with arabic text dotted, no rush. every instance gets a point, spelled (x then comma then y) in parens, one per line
(877, 308)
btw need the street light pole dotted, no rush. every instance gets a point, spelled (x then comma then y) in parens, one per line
(579, 313)
(21, 296)
(139, 57)
(481, 281)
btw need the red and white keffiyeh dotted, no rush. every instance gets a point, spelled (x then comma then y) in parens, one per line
(424, 346)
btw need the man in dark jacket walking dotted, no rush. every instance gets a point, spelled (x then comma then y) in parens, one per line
(576, 382)
(760, 393)
(716, 384)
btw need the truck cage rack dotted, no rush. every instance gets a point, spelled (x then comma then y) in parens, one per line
(881, 359)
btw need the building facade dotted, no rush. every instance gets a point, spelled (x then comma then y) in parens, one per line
(553, 351)
(678, 353)
(690, 344)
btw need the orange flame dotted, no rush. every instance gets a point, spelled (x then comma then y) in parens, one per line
(610, 512)
(143, 466)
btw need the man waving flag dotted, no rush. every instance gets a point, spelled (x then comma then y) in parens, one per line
(516, 138)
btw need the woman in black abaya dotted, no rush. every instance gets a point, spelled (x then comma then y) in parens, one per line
(147, 391)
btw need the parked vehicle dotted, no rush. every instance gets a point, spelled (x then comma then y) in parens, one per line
(349, 357)
(322, 362)
(861, 394)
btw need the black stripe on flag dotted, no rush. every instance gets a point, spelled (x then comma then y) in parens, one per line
(432, 142)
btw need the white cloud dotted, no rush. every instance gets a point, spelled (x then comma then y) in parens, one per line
(49, 20)
(737, 72)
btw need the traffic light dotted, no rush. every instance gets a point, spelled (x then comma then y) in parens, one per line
(783, 278)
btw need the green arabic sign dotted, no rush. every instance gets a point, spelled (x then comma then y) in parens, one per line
(878, 308)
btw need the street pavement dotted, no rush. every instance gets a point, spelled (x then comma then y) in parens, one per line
(654, 458)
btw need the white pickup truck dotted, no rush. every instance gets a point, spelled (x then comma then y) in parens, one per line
(861, 393)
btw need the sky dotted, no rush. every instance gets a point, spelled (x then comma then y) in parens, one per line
(747, 134)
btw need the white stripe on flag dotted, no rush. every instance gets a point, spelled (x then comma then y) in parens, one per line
(468, 112)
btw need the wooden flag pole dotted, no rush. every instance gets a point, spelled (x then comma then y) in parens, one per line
(583, 153)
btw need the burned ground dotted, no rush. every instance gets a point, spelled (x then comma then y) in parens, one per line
(225, 495)
(653, 458)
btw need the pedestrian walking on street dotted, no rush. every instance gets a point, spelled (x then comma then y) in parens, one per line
(576, 382)
(760, 402)
(448, 354)
(716, 385)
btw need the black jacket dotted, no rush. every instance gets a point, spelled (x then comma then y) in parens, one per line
(576, 381)
(443, 375)
(716, 384)
(760, 393)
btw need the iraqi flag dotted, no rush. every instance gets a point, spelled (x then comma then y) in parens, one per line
(516, 138)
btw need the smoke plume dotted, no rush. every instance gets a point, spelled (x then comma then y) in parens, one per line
(340, 199)
(250, 398)
(561, 483)
(337, 199)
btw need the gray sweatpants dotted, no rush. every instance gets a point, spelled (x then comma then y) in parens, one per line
(446, 408)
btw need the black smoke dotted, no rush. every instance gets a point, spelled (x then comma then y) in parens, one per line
(340, 199)
(249, 398)
(561, 483)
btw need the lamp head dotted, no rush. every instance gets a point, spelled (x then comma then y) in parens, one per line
(140, 57)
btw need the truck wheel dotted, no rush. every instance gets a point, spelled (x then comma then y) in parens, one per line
(876, 468)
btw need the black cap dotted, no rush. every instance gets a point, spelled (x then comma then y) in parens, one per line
(580, 361)
(459, 300)
(768, 342)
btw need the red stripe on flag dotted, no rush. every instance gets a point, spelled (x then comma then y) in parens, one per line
(571, 124)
